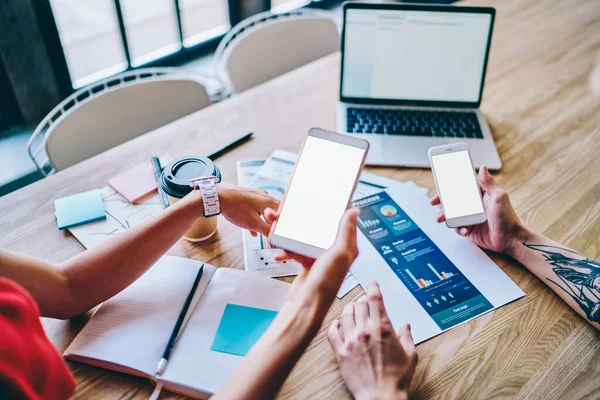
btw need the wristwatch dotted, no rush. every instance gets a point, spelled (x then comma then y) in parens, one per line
(210, 197)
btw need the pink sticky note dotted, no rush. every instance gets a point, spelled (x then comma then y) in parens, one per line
(136, 183)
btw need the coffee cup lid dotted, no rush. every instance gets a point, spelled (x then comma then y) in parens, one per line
(176, 176)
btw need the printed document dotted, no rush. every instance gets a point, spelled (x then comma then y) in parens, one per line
(271, 175)
(429, 276)
(120, 217)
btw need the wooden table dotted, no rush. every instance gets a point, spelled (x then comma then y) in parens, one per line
(542, 100)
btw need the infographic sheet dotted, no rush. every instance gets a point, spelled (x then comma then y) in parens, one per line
(429, 276)
(437, 284)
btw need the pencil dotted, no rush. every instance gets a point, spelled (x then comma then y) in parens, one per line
(158, 172)
(171, 343)
(230, 146)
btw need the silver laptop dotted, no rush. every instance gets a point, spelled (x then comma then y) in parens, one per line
(412, 77)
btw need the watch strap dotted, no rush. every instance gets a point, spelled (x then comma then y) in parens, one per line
(208, 187)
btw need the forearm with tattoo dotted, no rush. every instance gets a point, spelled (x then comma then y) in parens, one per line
(576, 275)
(572, 276)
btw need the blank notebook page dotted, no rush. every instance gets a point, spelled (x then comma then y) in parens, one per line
(133, 327)
(193, 363)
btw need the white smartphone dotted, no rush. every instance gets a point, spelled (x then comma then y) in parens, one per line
(319, 192)
(457, 185)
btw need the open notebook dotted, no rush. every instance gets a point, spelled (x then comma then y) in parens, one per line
(129, 332)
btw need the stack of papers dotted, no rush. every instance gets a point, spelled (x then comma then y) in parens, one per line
(121, 216)
(130, 199)
(271, 175)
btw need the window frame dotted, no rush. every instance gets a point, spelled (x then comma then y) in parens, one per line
(204, 47)
(10, 114)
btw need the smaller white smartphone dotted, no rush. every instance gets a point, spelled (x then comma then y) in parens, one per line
(457, 185)
(319, 192)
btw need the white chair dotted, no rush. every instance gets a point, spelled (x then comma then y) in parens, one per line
(267, 45)
(113, 111)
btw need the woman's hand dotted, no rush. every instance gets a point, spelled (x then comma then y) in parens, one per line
(502, 228)
(322, 278)
(245, 207)
(375, 362)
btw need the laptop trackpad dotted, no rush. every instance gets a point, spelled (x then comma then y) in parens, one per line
(374, 156)
(410, 152)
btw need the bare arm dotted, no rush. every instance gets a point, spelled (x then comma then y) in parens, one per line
(575, 278)
(89, 278)
(269, 362)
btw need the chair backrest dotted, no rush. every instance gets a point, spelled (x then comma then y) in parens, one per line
(111, 112)
(267, 45)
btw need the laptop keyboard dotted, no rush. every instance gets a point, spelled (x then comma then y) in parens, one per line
(413, 122)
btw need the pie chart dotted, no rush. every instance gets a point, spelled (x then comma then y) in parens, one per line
(388, 210)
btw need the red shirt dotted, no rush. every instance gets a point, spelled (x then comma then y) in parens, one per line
(30, 366)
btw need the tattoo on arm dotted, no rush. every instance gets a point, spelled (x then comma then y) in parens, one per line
(578, 276)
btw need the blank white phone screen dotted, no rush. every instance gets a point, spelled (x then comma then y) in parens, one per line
(319, 192)
(457, 184)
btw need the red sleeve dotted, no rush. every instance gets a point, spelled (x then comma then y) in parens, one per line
(30, 366)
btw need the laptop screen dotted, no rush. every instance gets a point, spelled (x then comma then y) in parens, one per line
(414, 55)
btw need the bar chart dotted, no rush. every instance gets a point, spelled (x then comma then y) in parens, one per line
(368, 223)
(423, 282)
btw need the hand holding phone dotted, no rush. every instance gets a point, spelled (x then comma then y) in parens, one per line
(457, 185)
(319, 192)
(502, 227)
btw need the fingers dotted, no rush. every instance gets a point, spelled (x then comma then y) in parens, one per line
(336, 261)
(272, 203)
(345, 245)
(270, 215)
(486, 180)
(307, 262)
(486, 198)
(335, 336)
(435, 201)
(407, 342)
(440, 217)
(406, 339)
(265, 201)
(264, 223)
(346, 236)
(361, 313)
(262, 226)
(283, 256)
(464, 231)
(347, 318)
(375, 301)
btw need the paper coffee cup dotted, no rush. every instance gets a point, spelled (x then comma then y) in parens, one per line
(175, 184)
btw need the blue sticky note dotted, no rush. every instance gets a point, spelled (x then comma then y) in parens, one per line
(79, 209)
(240, 328)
